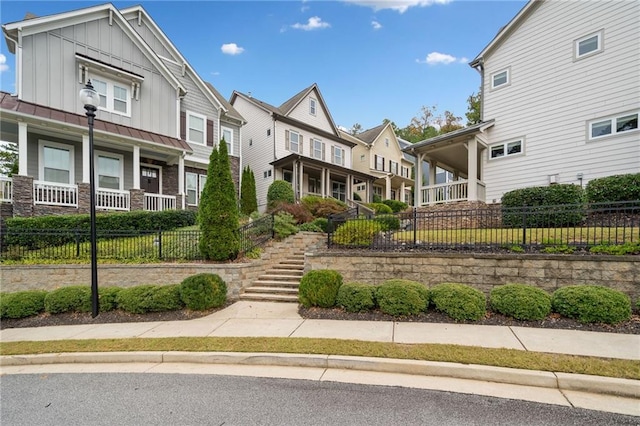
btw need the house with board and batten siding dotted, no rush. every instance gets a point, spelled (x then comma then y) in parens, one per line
(560, 88)
(154, 129)
(297, 142)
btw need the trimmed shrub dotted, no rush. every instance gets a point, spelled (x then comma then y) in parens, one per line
(108, 298)
(459, 301)
(322, 223)
(614, 188)
(592, 303)
(389, 222)
(142, 299)
(566, 200)
(422, 289)
(357, 233)
(396, 298)
(323, 207)
(310, 227)
(284, 225)
(396, 206)
(203, 291)
(522, 302)
(380, 208)
(319, 288)
(280, 190)
(68, 299)
(22, 304)
(356, 297)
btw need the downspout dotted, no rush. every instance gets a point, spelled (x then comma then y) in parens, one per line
(479, 66)
(18, 53)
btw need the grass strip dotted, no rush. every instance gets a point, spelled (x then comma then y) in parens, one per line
(511, 358)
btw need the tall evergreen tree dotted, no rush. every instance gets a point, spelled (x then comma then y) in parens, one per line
(218, 213)
(248, 202)
(8, 159)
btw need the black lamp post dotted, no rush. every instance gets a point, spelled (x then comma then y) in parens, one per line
(90, 99)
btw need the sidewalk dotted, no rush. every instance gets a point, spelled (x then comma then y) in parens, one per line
(267, 319)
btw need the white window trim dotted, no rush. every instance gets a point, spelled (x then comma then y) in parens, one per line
(41, 144)
(297, 150)
(313, 149)
(204, 131)
(576, 45)
(342, 153)
(614, 129)
(506, 153)
(313, 106)
(120, 158)
(199, 187)
(506, 83)
(111, 97)
(230, 143)
(153, 166)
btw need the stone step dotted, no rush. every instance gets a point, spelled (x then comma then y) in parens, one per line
(262, 297)
(280, 277)
(292, 266)
(272, 290)
(273, 283)
(285, 272)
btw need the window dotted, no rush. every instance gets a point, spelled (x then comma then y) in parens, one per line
(338, 155)
(506, 149)
(377, 190)
(338, 190)
(267, 174)
(56, 162)
(588, 45)
(379, 163)
(268, 132)
(317, 149)
(404, 171)
(287, 175)
(314, 185)
(109, 170)
(195, 184)
(386, 142)
(362, 158)
(227, 135)
(613, 125)
(114, 97)
(196, 128)
(393, 167)
(293, 141)
(312, 106)
(500, 78)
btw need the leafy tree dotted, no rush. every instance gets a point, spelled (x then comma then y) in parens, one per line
(473, 109)
(248, 197)
(395, 128)
(355, 129)
(448, 123)
(218, 213)
(8, 159)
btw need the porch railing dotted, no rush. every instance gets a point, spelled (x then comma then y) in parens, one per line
(6, 189)
(112, 199)
(56, 194)
(159, 202)
(451, 191)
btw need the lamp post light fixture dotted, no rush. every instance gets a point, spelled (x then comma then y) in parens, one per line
(91, 99)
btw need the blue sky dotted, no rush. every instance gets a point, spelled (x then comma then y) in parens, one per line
(371, 59)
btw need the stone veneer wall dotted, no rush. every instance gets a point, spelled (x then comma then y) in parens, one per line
(483, 271)
(236, 275)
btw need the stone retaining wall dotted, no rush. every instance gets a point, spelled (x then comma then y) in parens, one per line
(236, 275)
(484, 271)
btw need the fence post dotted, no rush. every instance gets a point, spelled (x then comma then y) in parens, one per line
(524, 225)
(77, 234)
(273, 225)
(160, 244)
(329, 230)
(415, 226)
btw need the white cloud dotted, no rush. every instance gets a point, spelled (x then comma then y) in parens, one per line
(314, 23)
(231, 49)
(376, 25)
(3, 63)
(215, 73)
(437, 58)
(398, 5)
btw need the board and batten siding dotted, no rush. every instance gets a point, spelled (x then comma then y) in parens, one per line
(257, 146)
(320, 121)
(149, 37)
(51, 77)
(551, 96)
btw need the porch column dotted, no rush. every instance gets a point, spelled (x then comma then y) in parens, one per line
(328, 183)
(136, 167)
(181, 181)
(387, 187)
(322, 187)
(433, 166)
(301, 181)
(402, 190)
(22, 149)
(472, 178)
(86, 170)
(349, 188)
(417, 202)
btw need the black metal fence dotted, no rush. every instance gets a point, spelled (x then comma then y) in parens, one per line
(492, 228)
(123, 246)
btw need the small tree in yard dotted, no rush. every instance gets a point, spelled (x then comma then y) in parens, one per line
(248, 197)
(218, 213)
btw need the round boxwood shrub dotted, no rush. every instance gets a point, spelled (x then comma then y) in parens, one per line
(68, 299)
(396, 206)
(280, 190)
(380, 208)
(389, 222)
(319, 288)
(459, 301)
(203, 291)
(22, 304)
(108, 298)
(522, 302)
(592, 303)
(309, 227)
(356, 297)
(422, 289)
(396, 298)
(142, 299)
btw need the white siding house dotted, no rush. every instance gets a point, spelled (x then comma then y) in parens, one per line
(560, 100)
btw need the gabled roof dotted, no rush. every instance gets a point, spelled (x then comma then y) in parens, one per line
(370, 135)
(506, 31)
(45, 23)
(231, 111)
(265, 106)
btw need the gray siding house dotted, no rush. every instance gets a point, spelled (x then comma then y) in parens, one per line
(154, 129)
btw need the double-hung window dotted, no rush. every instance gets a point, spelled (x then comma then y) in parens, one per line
(109, 170)
(293, 141)
(506, 149)
(56, 162)
(317, 149)
(194, 183)
(338, 156)
(196, 128)
(227, 135)
(588, 45)
(404, 171)
(379, 163)
(614, 125)
(114, 96)
(393, 167)
(312, 106)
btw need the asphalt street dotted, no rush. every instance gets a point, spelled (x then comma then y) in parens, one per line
(172, 399)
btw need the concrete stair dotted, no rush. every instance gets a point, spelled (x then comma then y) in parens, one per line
(278, 284)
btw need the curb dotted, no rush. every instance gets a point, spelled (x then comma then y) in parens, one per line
(562, 381)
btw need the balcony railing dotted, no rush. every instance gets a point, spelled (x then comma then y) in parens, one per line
(112, 199)
(55, 194)
(450, 192)
(6, 189)
(159, 202)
